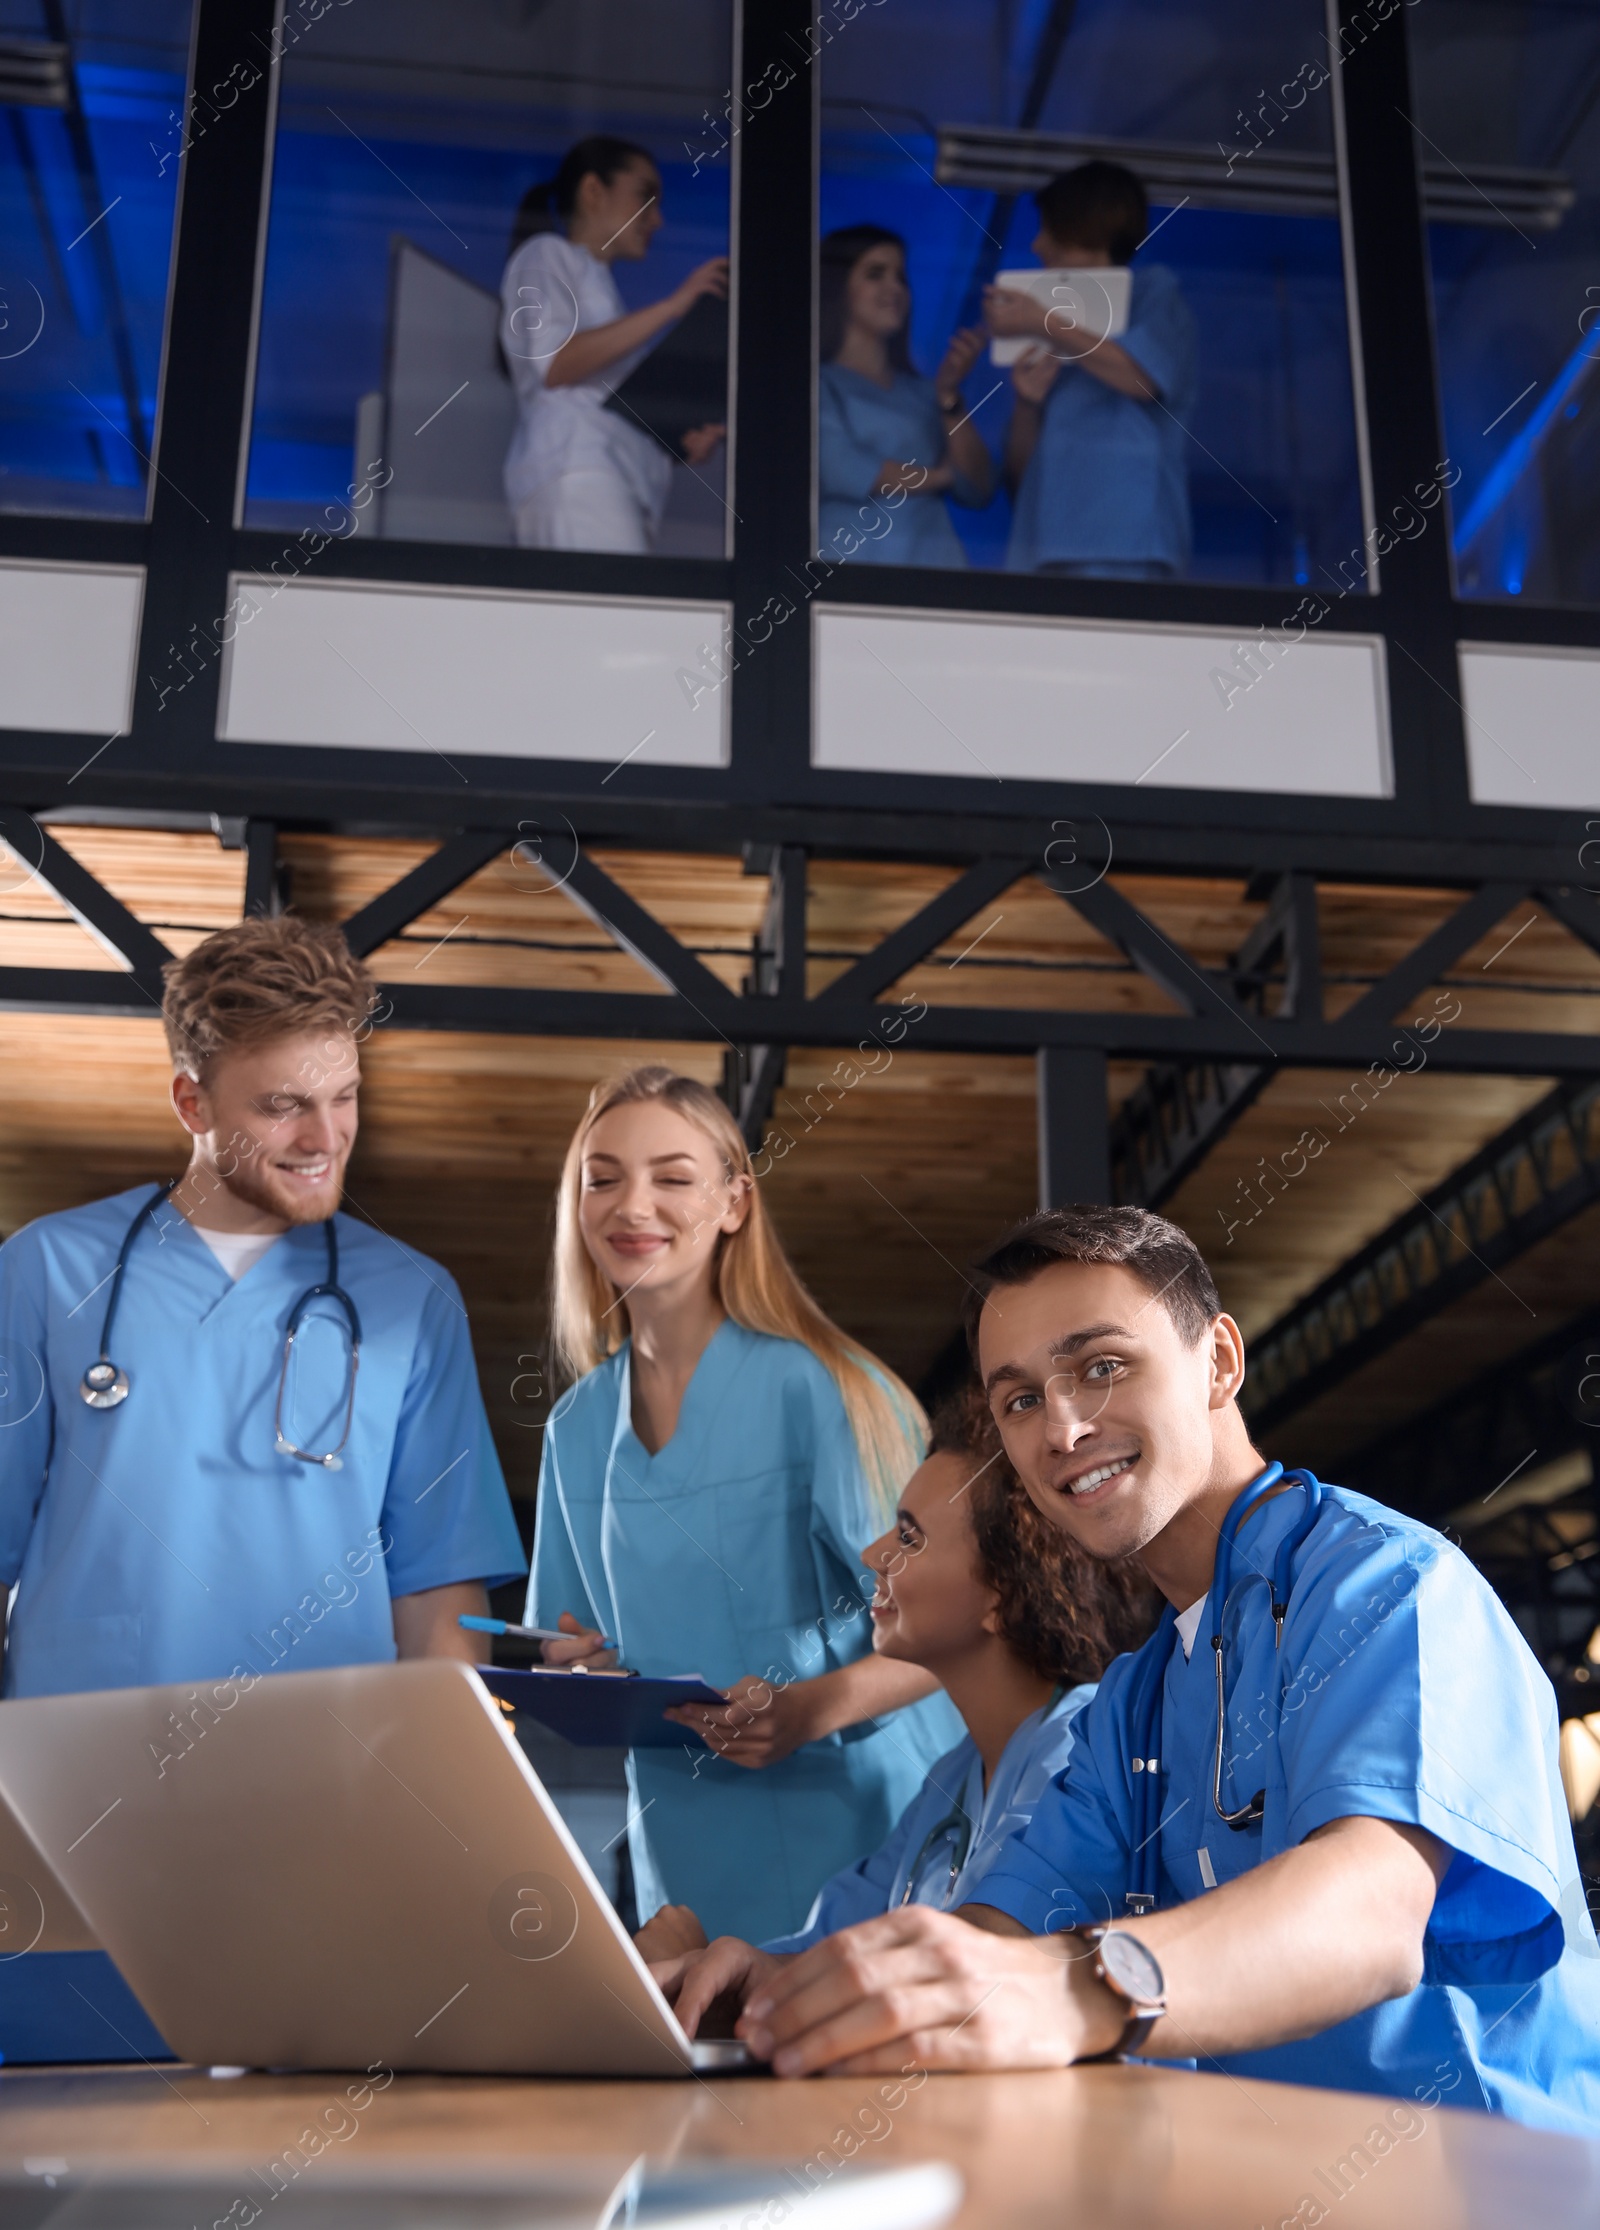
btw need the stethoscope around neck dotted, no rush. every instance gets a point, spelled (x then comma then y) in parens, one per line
(957, 1826)
(105, 1386)
(1145, 1706)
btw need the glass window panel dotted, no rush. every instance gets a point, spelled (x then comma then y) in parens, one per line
(1508, 122)
(410, 381)
(1217, 442)
(93, 103)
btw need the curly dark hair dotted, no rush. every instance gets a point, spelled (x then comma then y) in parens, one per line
(1063, 1612)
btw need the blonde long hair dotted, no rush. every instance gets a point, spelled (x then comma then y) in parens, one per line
(755, 1282)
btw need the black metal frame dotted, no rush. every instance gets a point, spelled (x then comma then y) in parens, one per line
(770, 792)
(1539, 1405)
(1529, 1180)
(1223, 1016)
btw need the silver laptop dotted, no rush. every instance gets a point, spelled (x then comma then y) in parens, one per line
(346, 1869)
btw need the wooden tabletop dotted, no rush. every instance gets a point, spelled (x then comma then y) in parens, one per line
(1107, 2148)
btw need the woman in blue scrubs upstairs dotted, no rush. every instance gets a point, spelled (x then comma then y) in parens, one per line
(195, 1481)
(890, 445)
(1097, 449)
(708, 1485)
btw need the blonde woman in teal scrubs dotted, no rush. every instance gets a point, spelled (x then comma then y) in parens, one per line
(708, 1485)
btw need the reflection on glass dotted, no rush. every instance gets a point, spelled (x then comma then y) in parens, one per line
(493, 308)
(579, 476)
(882, 431)
(1509, 143)
(1192, 420)
(95, 123)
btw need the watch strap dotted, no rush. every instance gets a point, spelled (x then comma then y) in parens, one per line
(1143, 2013)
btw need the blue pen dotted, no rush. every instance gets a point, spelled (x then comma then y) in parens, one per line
(521, 1633)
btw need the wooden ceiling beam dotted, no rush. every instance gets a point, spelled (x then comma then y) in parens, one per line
(87, 900)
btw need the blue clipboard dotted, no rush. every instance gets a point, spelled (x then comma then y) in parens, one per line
(599, 1711)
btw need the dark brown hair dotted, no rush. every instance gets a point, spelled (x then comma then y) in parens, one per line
(543, 207)
(260, 979)
(838, 256)
(1098, 205)
(1062, 1612)
(1163, 1258)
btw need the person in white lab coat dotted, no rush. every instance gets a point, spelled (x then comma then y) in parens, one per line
(580, 476)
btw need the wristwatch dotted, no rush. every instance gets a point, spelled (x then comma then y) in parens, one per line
(1131, 1969)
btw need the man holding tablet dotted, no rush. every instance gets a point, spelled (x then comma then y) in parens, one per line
(241, 1432)
(1327, 1846)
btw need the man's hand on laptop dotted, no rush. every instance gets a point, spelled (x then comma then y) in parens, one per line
(920, 1985)
(729, 1968)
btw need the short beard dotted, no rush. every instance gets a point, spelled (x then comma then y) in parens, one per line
(244, 1184)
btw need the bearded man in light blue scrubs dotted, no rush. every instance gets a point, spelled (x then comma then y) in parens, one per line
(235, 1502)
(1373, 1887)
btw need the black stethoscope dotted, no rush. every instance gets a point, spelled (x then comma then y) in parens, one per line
(958, 1827)
(957, 1824)
(104, 1386)
(1144, 1710)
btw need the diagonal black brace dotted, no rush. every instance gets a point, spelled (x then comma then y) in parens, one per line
(928, 928)
(673, 965)
(1577, 910)
(88, 901)
(1440, 949)
(1195, 990)
(432, 880)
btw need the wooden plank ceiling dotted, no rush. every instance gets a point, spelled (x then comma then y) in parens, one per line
(884, 1193)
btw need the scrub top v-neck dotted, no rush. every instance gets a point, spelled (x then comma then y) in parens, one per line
(954, 1828)
(734, 1550)
(167, 1539)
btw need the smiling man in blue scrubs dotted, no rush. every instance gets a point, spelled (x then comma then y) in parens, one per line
(184, 1525)
(1377, 1890)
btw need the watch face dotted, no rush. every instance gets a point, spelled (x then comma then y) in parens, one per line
(1132, 1969)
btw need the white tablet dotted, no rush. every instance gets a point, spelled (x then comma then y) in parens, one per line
(1082, 303)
